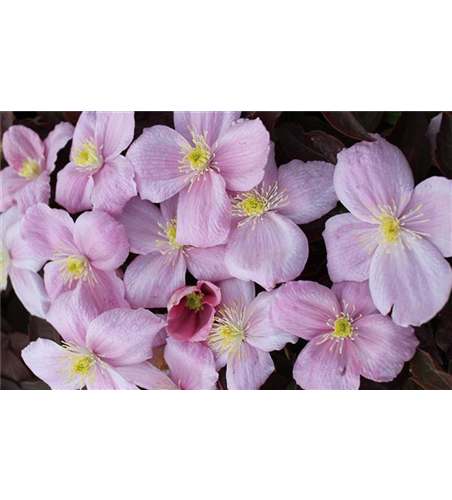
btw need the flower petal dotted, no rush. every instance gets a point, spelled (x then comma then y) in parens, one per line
(349, 245)
(45, 359)
(155, 157)
(74, 189)
(21, 144)
(249, 370)
(242, 154)
(101, 239)
(234, 290)
(204, 213)
(310, 189)
(30, 290)
(434, 217)
(114, 132)
(108, 290)
(262, 332)
(54, 282)
(151, 279)
(303, 308)
(147, 376)
(113, 185)
(34, 192)
(71, 313)
(371, 174)
(274, 251)
(383, 347)
(416, 282)
(212, 122)
(318, 367)
(106, 378)
(48, 231)
(20, 252)
(208, 263)
(123, 336)
(355, 295)
(141, 220)
(56, 141)
(84, 130)
(10, 184)
(191, 365)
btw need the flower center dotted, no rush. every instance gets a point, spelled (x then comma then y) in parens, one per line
(30, 169)
(342, 328)
(81, 365)
(79, 362)
(199, 157)
(254, 204)
(76, 268)
(390, 228)
(87, 156)
(229, 331)
(169, 234)
(193, 301)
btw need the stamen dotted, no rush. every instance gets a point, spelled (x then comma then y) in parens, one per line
(342, 327)
(31, 169)
(75, 268)
(87, 157)
(193, 301)
(168, 243)
(82, 363)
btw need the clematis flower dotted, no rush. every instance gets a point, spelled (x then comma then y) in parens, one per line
(396, 236)
(26, 181)
(347, 335)
(85, 253)
(242, 335)
(266, 245)
(20, 263)
(98, 176)
(191, 366)
(160, 268)
(207, 154)
(191, 310)
(98, 351)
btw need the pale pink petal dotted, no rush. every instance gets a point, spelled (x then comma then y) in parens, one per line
(113, 185)
(271, 170)
(30, 290)
(371, 174)
(10, 184)
(106, 378)
(71, 313)
(262, 332)
(204, 212)
(73, 189)
(309, 187)
(303, 308)
(242, 154)
(84, 130)
(318, 367)
(415, 282)
(22, 255)
(383, 347)
(141, 220)
(35, 191)
(431, 204)
(191, 365)
(357, 297)
(46, 360)
(211, 124)
(56, 141)
(208, 263)
(274, 251)
(147, 376)
(48, 231)
(155, 157)
(9, 218)
(151, 279)
(350, 244)
(123, 336)
(101, 239)
(114, 132)
(236, 291)
(169, 208)
(21, 144)
(107, 291)
(250, 370)
(54, 281)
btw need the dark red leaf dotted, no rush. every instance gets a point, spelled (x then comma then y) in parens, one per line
(40, 328)
(369, 119)
(443, 153)
(427, 374)
(348, 124)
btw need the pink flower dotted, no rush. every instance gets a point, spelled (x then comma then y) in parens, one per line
(395, 236)
(243, 336)
(83, 254)
(27, 180)
(98, 176)
(160, 268)
(266, 245)
(191, 366)
(347, 336)
(206, 146)
(99, 352)
(191, 310)
(20, 263)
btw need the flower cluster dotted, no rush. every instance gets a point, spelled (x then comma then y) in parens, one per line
(210, 219)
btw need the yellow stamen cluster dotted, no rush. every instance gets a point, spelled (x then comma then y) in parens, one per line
(169, 232)
(252, 205)
(30, 169)
(199, 157)
(390, 228)
(193, 301)
(76, 268)
(87, 156)
(80, 362)
(342, 328)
